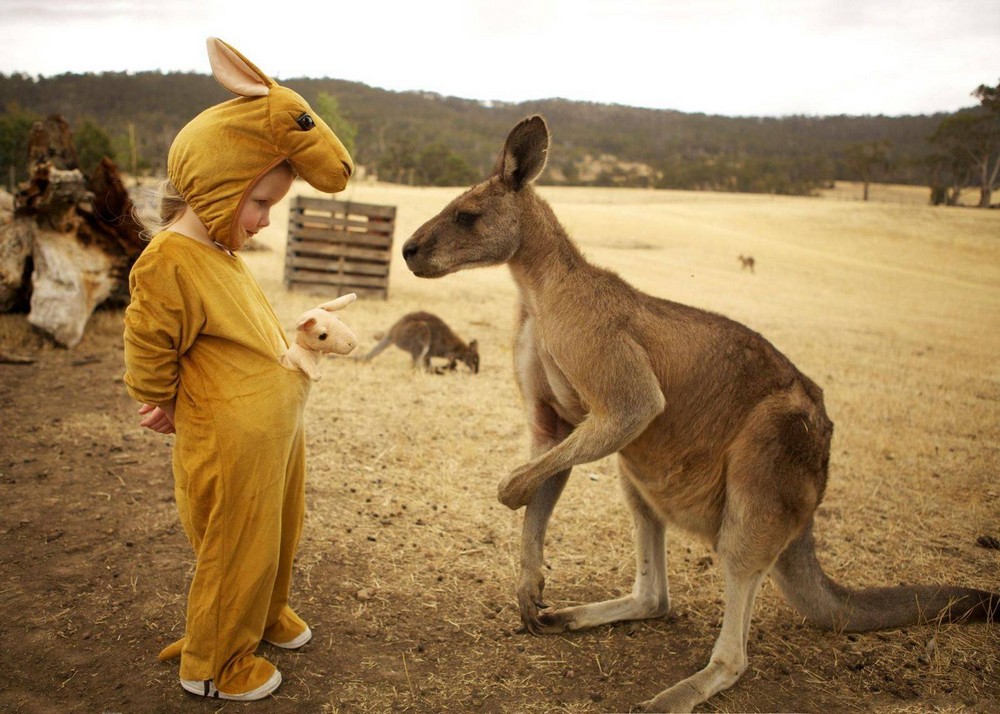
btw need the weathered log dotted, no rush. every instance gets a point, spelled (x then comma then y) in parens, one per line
(111, 225)
(52, 196)
(70, 279)
(16, 241)
(80, 233)
(51, 141)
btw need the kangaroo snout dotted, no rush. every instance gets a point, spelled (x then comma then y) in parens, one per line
(419, 256)
(410, 249)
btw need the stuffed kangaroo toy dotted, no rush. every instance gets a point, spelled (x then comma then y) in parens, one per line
(318, 332)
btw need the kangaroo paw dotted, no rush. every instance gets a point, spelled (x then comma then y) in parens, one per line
(515, 489)
(534, 612)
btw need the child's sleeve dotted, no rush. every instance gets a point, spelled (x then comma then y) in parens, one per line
(161, 322)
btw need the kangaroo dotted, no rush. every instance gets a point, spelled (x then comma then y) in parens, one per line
(746, 261)
(424, 335)
(716, 431)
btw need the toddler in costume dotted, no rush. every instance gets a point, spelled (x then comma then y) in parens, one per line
(202, 349)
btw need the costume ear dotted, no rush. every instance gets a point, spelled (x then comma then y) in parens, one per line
(306, 323)
(235, 72)
(340, 303)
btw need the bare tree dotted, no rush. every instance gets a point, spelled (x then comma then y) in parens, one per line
(868, 160)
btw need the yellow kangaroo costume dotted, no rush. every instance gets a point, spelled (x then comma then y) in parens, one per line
(199, 333)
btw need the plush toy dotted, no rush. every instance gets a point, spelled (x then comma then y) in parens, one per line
(318, 332)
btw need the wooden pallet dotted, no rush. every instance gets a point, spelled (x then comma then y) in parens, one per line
(339, 247)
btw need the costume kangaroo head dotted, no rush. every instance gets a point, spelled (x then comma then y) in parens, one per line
(219, 156)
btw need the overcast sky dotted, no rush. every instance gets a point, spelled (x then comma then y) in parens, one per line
(759, 58)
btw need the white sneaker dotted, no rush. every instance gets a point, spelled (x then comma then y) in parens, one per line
(296, 643)
(206, 688)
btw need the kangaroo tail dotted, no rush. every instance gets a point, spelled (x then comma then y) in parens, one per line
(832, 606)
(378, 348)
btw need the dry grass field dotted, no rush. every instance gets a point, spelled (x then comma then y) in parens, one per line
(891, 193)
(407, 567)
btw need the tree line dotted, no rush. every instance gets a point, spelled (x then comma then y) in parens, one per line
(424, 138)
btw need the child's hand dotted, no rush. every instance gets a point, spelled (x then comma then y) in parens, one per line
(159, 419)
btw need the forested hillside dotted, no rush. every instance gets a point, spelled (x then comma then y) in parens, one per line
(424, 138)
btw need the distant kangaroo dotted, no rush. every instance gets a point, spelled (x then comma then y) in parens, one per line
(716, 430)
(746, 261)
(424, 335)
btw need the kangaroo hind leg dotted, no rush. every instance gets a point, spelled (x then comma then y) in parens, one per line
(650, 595)
(746, 555)
(729, 656)
(771, 491)
(417, 338)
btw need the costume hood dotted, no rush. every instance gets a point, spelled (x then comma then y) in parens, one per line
(221, 154)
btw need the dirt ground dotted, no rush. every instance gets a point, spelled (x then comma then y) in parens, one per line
(406, 572)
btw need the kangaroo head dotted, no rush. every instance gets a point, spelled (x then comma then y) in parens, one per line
(471, 357)
(483, 226)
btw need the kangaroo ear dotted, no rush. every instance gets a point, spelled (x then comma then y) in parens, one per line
(524, 153)
(474, 346)
(235, 72)
(340, 303)
(305, 323)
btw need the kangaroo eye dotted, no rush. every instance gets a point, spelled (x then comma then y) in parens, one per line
(466, 219)
(305, 122)
(322, 336)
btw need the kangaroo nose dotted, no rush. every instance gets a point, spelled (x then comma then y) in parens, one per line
(409, 250)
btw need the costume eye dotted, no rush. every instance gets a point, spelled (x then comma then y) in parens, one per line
(305, 122)
(466, 219)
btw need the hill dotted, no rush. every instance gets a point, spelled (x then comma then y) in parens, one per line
(426, 138)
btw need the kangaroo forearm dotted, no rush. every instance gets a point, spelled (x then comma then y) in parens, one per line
(593, 439)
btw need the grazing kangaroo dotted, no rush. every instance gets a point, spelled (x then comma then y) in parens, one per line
(716, 430)
(746, 261)
(424, 335)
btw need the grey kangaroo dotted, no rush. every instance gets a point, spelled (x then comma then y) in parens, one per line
(424, 335)
(716, 431)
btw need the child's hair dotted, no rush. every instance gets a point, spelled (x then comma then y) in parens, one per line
(171, 206)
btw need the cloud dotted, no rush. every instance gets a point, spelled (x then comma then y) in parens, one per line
(769, 57)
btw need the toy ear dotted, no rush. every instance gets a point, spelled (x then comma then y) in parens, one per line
(235, 72)
(306, 323)
(340, 303)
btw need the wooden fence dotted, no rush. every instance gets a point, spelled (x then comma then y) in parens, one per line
(342, 245)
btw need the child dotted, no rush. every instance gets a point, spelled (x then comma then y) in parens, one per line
(202, 346)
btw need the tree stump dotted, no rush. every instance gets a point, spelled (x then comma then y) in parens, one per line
(16, 240)
(80, 234)
(69, 280)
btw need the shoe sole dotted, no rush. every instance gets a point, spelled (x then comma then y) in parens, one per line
(207, 689)
(299, 641)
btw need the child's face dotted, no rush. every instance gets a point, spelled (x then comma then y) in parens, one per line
(256, 210)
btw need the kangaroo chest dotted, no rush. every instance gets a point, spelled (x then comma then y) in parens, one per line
(541, 377)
